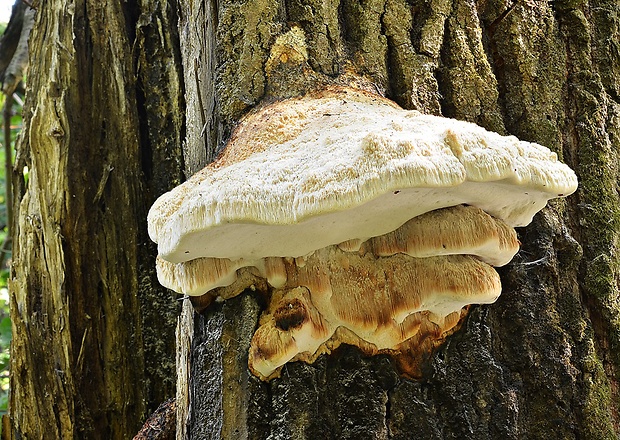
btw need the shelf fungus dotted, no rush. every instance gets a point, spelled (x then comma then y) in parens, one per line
(364, 223)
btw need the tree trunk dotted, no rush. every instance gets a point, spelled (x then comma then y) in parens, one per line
(117, 109)
(544, 360)
(93, 345)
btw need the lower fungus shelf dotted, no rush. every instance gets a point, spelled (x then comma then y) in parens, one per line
(396, 293)
(384, 302)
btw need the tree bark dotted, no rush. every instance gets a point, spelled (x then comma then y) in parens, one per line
(93, 346)
(544, 360)
(118, 110)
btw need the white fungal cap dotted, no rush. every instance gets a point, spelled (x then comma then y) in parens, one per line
(464, 230)
(199, 276)
(302, 174)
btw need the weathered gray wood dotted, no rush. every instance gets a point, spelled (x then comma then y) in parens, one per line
(197, 20)
(184, 335)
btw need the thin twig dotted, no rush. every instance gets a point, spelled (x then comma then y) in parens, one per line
(18, 99)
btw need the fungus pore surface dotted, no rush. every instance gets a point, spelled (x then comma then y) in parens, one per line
(364, 223)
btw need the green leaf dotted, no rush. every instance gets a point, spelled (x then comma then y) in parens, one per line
(4, 276)
(5, 332)
(4, 401)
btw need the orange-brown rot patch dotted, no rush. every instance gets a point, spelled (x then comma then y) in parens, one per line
(350, 245)
(275, 271)
(270, 342)
(201, 302)
(315, 278)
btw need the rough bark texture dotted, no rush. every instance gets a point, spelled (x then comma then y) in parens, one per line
(93, 342)
(544, 361)
(11, 37)
(161, 425)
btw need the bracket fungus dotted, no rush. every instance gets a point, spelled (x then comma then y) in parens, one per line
(365, 223)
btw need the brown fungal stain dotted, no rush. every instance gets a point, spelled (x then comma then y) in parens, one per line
(291, 314)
